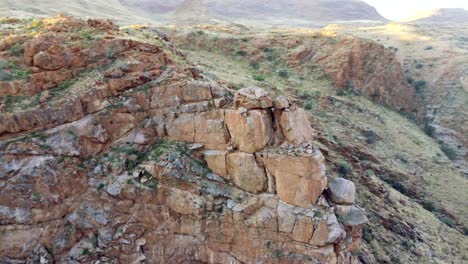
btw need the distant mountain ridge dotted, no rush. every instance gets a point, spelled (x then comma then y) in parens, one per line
(315, 10)
(441, 15)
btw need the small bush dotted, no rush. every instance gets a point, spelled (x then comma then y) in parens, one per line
(428, 48)
(419, 66)
(201, 32)
(420, 85)
(241, 53)
(344, 168)
(448, 221)
(16, 50)
(258, 77)
(429, 129)
(429, 205)
(283, 74)
(308, 105)
(449, 151)
(410, 80)
(255, 65)
(371, 136)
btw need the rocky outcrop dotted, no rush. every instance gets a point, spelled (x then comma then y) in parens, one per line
(362, 67)
(173, 171)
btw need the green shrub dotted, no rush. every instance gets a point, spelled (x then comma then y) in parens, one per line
(429, 129)
(201, 32)
(428, 48)
(16, 50)
(241, 53)
(344, 168)
(449, 151)
(448, 221)
(258, 77)
(255, 65)
(371, 136)
(420, 85)
(429, 205)
(419, 66)
(308, 105)
(283, 74)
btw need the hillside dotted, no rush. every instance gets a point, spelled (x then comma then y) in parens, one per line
(104, 9)
(232, 10)
(434, 57)
(441, 15)
(115, 149)
(409, 187)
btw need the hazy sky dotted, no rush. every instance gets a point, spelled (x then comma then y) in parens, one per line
(400, 9)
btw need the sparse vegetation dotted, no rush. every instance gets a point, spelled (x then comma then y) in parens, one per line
(258, 77)
(449, 151)
(344, 168)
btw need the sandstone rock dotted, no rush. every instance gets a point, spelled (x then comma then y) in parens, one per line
(286, 217)
(299, 180)
(244, 171)
(252, 98)
(296, 127)
(181, 128)
(342, 191)
(281, 103)
(196, 91)
(249, 133)
(216, 160)
(303, 229)
(210, 130)
(355, 217)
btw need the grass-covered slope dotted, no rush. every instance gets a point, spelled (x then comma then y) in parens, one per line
(414, 195)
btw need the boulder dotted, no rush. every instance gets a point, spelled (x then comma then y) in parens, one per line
(244, 172)
(252, 98)
(342, 191)
(181, 128)
(250, 132)
(216, 160)
(196, 91)
(296, 126)
(281, 102)
(299, 179)
(355, 217)
(210, 130)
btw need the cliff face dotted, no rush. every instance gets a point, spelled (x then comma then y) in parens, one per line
(112, 150)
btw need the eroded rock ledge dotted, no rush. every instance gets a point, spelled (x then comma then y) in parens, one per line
(117, 185)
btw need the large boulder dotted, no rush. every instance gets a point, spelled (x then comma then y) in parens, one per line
(342, 191)
(181, 127)
(210, 130)
(252, 98)
(216, 160)
(296, 126)
(300, 179)
(244, 172)
(250, 132)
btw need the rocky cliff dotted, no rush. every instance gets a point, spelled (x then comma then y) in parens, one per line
(115, 150)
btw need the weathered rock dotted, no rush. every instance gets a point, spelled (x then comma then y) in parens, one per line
(342, 191)
(196, 91)
(299, 179)
(303, 229)
(249, 133)
(216, 160)
(210, 130)
(355, 217)
(295, 126)
(244, 171)
(181, 128)
(252, 98)
(281, 103)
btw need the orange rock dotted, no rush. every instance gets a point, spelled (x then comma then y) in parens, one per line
(210, 130)
(295, 126)
(244, 171)
(299, 179)
(250, 132)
